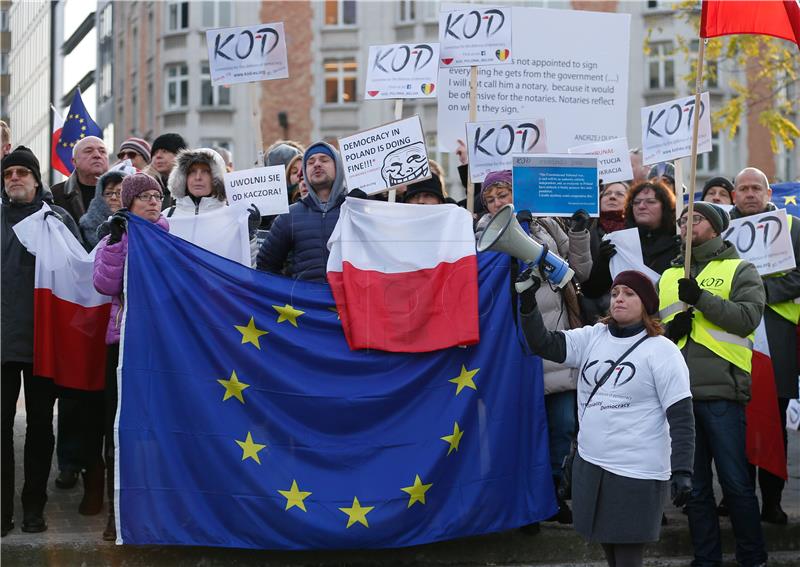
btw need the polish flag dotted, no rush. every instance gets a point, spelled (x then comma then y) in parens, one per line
(778, 18)
(404, 277)
(764, 444)
(55, 159)
(70, 317)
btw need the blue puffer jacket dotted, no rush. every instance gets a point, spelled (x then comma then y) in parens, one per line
(304, 231)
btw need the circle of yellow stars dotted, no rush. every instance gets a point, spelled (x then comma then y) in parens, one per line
(295, 497)
(83, 129)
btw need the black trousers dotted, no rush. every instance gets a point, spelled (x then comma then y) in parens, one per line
(69, 439)
(112, 359)
(40, 397)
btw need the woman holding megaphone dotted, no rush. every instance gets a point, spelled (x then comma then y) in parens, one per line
(636, 426)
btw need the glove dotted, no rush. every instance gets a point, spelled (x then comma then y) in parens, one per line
(606, 250)
(580, 220)
(680, 488)
(680, 326)
(688, 291)
(254, 220)
(524, 216)
(117, 226)
(358, 194)
(52, 213)
(527, 285)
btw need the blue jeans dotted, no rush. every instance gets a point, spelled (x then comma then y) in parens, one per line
(561, 426)
(720, 436)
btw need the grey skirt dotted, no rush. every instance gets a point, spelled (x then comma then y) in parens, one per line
(609, 508)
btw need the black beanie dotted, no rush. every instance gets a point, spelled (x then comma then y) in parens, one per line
(432, 186)
(718, 182)
(24, 157)
(170, 142)
(715, 214)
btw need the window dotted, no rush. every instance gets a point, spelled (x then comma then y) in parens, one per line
(217, 143)
(217, 14)
(710, 163)
(661, 66)
(177, 16)
(4, 21)
(105, 79)
(3, 63)
(710, 68)
(340, 81)
(211, 95)
(134, 110)
(177, 87)
(340, 12)
(106, 21)
(407, 11)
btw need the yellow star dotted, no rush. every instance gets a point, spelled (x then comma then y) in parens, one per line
(294, 497)
(288, 313)
(82, 136)
(233, 388)
(81, 121)
(335, 311)
(251, 334)
(417, 491)
(64, 144)
(357, 513)
(790, 200)
(464, 380)
(250, 449)
(453, 439)
(83, 127)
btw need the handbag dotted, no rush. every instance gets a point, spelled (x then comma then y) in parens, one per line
(565, 486)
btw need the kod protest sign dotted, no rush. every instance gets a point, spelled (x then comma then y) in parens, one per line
(667, 129)
(581, 87)
(491, 145)
(385, 157)
(764, 241)
(475, 37)
(402, 70)
(551, 185)
(264, 187)
(247, 54)
(613, 160)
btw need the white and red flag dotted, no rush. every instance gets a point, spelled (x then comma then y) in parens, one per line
(778, 18)
(55, 159)
(70, 317)
(404, 277)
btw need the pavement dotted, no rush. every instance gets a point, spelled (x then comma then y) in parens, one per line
(73, 539)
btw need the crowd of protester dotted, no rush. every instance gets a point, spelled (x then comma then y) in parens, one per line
(695, 364)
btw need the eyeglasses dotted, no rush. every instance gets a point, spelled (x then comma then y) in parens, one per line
(146, 197)
(696, 219)
(116, 194)
(21, 172)
(649, 202)
(127, 155)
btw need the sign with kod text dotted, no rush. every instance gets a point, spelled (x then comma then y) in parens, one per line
(247, 54)
(491, 145)
(384, 157)
(553, 185)
(402, 70)
(264, 187)
(613, 159)
(479, 36)
(764, 241)
(667, 129)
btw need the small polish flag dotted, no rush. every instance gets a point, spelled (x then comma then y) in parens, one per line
(404, 277)
(55, 159)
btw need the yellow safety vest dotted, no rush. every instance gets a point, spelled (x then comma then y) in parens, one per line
(789, 309)
(716, 278)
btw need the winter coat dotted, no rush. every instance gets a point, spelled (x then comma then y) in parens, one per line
(162, 181)
(304, 231)
(596, 289)
(780, 332)
(68, 196)
(109, 275)
(659, 248)
(97, 213)
(712, 377)
(18, 276)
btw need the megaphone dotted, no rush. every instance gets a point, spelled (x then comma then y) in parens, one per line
(504, 234)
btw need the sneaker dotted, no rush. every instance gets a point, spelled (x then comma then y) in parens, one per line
(563, 516)
(110, 533)
(774, 514)
(530, 529)
(66, 479)
(34, 524)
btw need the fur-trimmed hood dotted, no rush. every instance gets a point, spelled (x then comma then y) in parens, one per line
(187, 158)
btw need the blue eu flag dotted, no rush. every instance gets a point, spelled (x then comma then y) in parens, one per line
(246, 421)
(77, 125)
(787, 196)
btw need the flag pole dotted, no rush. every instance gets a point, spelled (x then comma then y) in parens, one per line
(398, 114)
(693, 167)
(473, 113)
(255, 101)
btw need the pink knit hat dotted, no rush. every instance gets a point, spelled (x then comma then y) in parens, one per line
(137, 184)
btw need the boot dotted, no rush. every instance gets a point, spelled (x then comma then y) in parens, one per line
(110, 533)
(93, 482)
(564, 514)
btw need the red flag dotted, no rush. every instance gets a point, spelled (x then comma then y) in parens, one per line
(55, 159)
(778, 18)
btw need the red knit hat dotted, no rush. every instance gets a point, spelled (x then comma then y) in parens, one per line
(643, 287)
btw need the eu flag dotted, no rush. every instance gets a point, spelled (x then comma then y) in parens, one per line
(78, 125)
(246, 421)
(787, 196)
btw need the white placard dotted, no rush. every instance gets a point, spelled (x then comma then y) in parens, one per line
(667, 129)
(264, 187)
(764, 241)
(477, 36)
(629, 254)
(491, 145)
(402, 70)
(247, 54)
(384, 157)
(613, 159)
(581, 87)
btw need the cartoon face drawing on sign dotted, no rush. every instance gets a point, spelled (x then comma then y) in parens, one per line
(405, 164)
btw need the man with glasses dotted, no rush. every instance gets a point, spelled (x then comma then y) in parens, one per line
(90, 158)
(136, 150)
(23, 194)
(712, 316)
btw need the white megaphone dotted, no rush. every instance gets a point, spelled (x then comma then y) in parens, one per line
(504, 234)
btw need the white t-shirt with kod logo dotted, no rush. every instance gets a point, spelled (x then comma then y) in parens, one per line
(624, 429)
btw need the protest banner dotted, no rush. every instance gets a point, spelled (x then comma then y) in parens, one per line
(764, 241)
(264, 187)
(476, 36)
(402, 70)
(246, 54)
(555, 185)
(667, 129)
(613, 160)
(491, 145)
(385, 157)
(581, 90)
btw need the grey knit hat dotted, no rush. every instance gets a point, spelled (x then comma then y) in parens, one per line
(716, 215)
